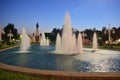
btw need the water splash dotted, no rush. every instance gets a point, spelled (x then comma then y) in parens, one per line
(95, 44)
(100, 61)
(74, 44)
(68, 40)
(79, 44)
(44, 41)
(47, 42)
(58, 43)
(25, 41)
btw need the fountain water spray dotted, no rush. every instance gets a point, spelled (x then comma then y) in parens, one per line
(25, 41)
(67, 44)
(74, 44)
(79, 43)
(47, 42)
(44, 41)
(58, 43)
(95, 44)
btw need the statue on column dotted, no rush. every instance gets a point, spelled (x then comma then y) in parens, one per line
(36, 35)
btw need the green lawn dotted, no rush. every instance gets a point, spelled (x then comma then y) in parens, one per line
(6, 75)
(111, 47)
(3, 46)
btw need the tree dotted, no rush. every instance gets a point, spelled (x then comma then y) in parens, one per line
(7, 29)
(104, 34)
(53, 34)
(89, 34)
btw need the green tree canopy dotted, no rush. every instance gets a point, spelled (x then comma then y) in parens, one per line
(7, 29)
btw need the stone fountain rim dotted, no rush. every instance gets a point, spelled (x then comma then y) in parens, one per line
(38, 72)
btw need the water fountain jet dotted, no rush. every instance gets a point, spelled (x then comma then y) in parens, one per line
(58, 43)
(79, 44)
(25, 41)
(44, 41)
(68, 41)
(95, 44)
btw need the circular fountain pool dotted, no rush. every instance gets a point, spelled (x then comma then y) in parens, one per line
(43, 58)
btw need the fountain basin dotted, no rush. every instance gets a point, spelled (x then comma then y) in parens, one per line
(42, 58)
(62, 74)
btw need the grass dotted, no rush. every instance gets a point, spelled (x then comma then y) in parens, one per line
(111, 47)
(3, 46)
(6, 75)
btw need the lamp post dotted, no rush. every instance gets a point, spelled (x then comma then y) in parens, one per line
(110, 31)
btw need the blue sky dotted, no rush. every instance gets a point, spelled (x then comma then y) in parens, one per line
(50, 13)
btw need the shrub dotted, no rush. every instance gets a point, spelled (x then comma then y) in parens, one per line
(9, 43)
(0, 45)
(118, 44)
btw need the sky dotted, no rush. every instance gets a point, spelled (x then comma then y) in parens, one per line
(51, 13)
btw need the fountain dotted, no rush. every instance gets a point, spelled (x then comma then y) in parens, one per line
(47, 42)
(44, 41)
(1, 32)
(95, 44)
(79, 44)
(74, 44)
(25, 41)
(45, 58)
(68, 43)
(58, 43)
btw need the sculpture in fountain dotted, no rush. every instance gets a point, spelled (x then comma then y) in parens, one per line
(25, 41)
